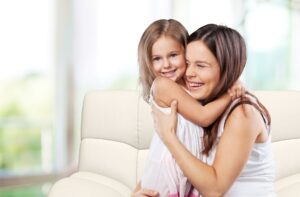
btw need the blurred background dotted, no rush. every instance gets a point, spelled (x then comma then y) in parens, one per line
(52, 52)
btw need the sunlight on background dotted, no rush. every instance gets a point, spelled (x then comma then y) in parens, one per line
(26, 90)
(54, 52)
(26, 86)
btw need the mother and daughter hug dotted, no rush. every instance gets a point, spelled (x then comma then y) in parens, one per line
(212, 138)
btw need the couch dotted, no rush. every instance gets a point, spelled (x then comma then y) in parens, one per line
(116, 131)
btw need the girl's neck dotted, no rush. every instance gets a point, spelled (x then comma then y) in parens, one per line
(182, 84)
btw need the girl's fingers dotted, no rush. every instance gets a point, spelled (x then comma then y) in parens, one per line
(244, 91)
(239, 92)
(231, 93)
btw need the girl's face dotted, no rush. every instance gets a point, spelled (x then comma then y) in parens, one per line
(203, 71)
(168, 58)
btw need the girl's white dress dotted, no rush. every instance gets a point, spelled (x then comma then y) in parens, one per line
(161, 172)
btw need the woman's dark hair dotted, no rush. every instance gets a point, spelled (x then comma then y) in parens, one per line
(229, 48)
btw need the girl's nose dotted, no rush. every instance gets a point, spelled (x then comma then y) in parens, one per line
(166, 64)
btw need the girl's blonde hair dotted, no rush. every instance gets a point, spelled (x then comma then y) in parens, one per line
(154, 31)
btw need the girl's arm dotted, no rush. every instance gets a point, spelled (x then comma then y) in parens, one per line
(240, 132)
(166, 90)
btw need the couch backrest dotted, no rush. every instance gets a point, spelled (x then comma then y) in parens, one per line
(117, 130)
(284, 107)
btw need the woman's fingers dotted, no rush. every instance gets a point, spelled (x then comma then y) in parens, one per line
(174, 108)
(165, 123)
(148, 192)
(154, 111)
(145, 193)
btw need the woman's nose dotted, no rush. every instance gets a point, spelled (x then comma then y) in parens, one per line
(190, 71)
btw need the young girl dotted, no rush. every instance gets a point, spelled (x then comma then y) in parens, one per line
(161, 53)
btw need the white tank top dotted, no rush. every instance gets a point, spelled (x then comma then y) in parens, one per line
(257, 177)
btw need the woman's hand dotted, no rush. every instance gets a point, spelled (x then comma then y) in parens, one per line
(144, 193)
(165, 124)
(139, 192)
(237, 90)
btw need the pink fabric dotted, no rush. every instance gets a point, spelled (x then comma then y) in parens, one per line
(193, 193)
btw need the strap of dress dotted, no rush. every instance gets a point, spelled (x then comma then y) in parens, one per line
(235, 104)
(250, 103)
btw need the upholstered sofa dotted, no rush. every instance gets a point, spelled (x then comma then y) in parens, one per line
(117, 130)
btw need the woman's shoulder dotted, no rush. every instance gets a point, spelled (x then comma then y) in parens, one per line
(243, 108)
(246, 113)
(246, 107)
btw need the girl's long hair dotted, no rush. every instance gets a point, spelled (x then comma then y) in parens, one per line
(154, 31)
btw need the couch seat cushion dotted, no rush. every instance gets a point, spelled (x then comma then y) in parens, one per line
(89, 184)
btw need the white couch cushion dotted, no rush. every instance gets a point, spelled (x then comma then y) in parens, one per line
(109, 158)
(289, 186)
(89, 184)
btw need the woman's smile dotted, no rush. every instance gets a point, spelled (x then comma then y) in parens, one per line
(191, 85)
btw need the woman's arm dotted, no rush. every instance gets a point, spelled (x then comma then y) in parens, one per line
(241, 130)
(166, 90)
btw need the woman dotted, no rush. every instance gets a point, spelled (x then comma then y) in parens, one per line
(238, 145)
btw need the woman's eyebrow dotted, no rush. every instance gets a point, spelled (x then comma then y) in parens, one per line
(202, 61)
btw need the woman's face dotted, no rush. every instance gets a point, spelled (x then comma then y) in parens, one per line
(168, 58)
(203, 71)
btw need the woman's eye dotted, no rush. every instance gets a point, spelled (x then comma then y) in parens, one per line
(173, 54)
(200, 65)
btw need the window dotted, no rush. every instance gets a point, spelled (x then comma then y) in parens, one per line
(270, 29)
(105, 48)
(272, 37)
(27, 91)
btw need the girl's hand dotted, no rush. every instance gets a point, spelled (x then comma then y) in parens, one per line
(237, 90)
(165, 124)
(144, 193)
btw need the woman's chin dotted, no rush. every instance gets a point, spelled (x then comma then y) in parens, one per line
(197, 95)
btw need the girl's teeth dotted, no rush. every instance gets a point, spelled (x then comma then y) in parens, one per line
(168, 74)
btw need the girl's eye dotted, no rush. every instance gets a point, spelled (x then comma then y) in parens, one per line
(156, 59)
